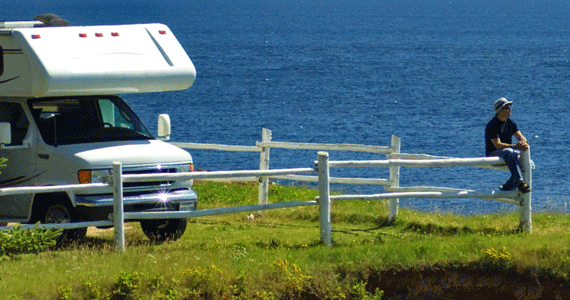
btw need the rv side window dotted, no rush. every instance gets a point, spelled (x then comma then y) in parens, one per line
(13, 113)
(113, 116)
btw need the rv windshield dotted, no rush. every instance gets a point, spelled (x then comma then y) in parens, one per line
(86, 119)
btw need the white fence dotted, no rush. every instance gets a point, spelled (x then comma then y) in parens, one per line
(266, 144)
(395, 160)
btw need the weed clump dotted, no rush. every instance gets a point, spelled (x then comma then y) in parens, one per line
(15, 240)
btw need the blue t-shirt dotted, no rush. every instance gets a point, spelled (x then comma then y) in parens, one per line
(499, 129)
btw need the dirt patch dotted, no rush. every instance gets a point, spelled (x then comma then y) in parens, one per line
(466, 283)
(94, 231)
(91, 231)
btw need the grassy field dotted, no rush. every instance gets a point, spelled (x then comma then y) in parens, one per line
(277, 255)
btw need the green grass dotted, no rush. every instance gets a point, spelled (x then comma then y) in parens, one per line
(278, 255)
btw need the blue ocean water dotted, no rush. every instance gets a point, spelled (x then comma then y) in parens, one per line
(359, 71)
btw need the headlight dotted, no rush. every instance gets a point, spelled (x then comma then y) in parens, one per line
(93, 176)
(186, 168)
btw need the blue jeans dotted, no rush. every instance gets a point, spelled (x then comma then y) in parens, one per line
(511, 157)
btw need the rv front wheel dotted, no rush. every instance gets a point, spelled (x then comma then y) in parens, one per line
(59, 213)
(165, 229)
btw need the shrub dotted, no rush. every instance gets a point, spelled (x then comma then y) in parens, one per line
(500, 259)
(16, 241)
(296, 282)
(206, 283)
(359, 292)
(126, 285)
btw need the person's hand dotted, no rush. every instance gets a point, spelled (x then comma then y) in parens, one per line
(522, 145)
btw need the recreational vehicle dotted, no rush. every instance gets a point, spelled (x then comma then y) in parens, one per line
(62, 121)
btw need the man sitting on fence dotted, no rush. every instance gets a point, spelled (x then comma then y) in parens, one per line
(498, 142)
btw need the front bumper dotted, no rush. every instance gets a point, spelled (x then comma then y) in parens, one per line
(99, 207)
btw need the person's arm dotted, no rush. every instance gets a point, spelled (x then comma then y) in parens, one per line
(521, 145)
(500, 145)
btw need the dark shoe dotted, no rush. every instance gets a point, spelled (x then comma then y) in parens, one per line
(523, 187)
(506, 189)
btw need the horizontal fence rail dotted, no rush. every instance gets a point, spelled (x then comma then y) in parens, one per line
(64, 226)
(427, 163)
(321, 174)
(213, 174)
(327, 147)
(506, 197)
(50, 189)
(500, 166)
(215, 211)
(352, 180)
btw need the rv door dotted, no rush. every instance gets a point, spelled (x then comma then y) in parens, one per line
(21, 165)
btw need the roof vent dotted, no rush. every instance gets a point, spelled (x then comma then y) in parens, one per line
(51, 20)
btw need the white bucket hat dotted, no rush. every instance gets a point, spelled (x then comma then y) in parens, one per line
(500, 104)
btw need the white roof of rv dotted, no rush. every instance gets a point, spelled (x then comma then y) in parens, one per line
(90, 60)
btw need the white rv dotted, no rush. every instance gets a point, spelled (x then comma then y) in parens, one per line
(61, 121)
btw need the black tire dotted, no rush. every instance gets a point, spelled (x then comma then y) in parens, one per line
(164, 229)
(60, 213)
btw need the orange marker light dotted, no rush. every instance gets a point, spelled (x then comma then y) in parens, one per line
(84, 176)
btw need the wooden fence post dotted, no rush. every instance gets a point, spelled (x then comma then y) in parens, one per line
(526, 208)
(264, 165)
(118, 214)
(324, 197)
(395, 179)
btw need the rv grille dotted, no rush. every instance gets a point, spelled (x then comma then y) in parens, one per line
(146, 184)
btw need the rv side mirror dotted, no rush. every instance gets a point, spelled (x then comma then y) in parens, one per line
(5, 133)
(164, 126)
